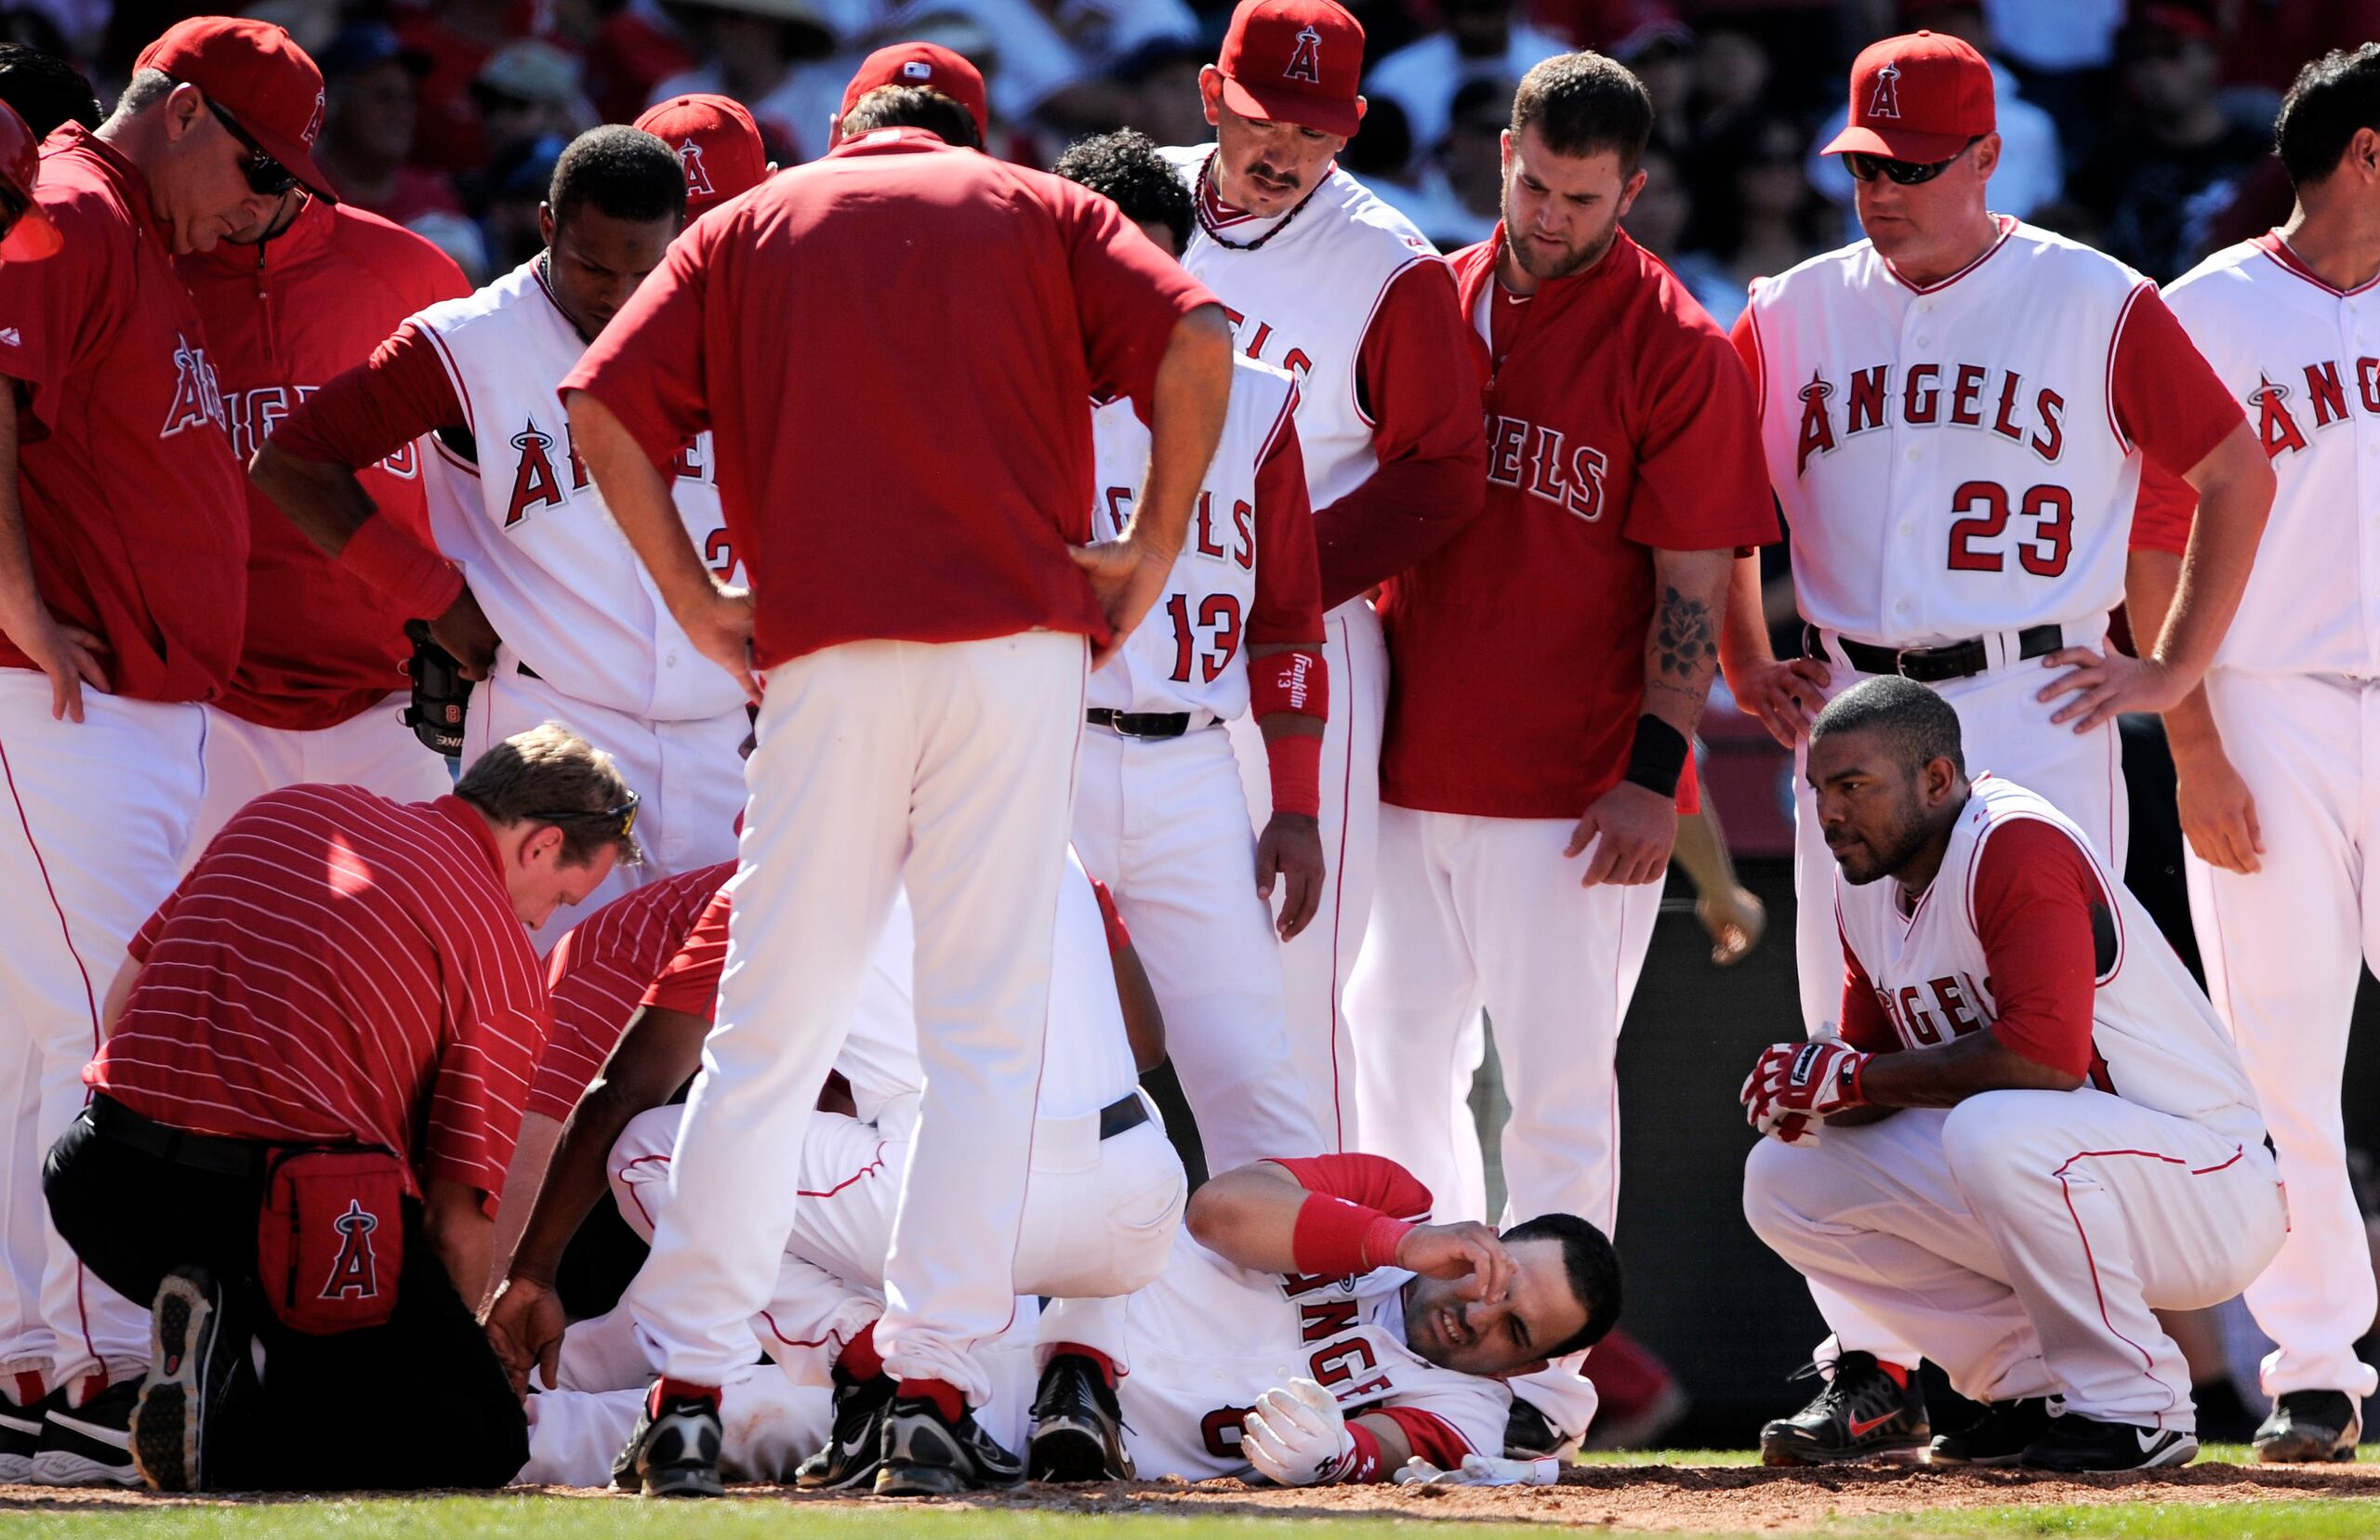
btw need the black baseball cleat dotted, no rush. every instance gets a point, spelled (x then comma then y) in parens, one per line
(673, 1452)
(196, 1362)
(2074, 1442)
(90, 1444)
(855, 1443)
(20, 1436)
(1861, 1414)
(926, 1456)
(1528, 1434)
(1078, 1427)
(2316, 1426)
(2000, 1437)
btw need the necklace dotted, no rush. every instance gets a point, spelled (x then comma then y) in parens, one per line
(1207, 221)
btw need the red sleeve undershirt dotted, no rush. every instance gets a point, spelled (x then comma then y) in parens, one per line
(1118, 937)
(1419, 376)
(1370, 1181)
(1865, 1025)
(2163, 512)
(2033, 894)
(689, 981)
(1288, 596)
(1746, 337)
(2168, 399)
(376, 408)
(1432, 1436)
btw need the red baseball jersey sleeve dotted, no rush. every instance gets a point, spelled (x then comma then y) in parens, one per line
(689, 982)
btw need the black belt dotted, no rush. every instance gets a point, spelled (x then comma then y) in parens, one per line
(1140, 724)
(229, 1157)
(1126, 1111)
(1953, 660)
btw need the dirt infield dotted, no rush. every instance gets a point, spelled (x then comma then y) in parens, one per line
(1654, 1497)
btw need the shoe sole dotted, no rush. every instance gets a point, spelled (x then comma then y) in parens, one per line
(54, 1468)
(169, 1420)
(2295, 1451)
(1065, 1453)
(1974, 1462)
(2180, 1454)
(1900, 1450)
(684, 1483)
(863, 1476)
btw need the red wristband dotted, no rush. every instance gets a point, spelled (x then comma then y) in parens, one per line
(1294, 761)
(417, 579)
(1295, 681)
(1334, 1238)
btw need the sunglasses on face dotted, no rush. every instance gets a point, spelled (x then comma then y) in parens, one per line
(1867, 169)
(267, 178)
(624, 815)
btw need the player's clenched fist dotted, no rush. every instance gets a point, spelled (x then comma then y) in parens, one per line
(1795, 1082)
(1297, 1436)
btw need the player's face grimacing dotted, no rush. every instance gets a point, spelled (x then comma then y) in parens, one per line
(1262, 166)
(1561, 212)
(1506, 1336)
(594, 262)
(1869, 805)
(1926, 225)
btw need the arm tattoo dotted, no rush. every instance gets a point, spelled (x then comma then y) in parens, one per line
(1686, 644)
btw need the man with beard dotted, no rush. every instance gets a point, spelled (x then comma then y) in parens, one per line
(2034, 1132)
(1530, 810)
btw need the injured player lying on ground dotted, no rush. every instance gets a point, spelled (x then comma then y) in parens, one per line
(1305, 1329)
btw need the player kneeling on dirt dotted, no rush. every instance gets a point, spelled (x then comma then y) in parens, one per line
(310, 1084)
(2033, 1134)
(1307, 1329)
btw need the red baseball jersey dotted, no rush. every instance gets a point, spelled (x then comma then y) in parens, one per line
(597, 973)
(1619, 422)
(338, 967)
(135, 508)
(826, 300)
(282, 320)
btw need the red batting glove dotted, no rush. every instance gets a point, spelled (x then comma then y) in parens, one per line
(1805, 1079)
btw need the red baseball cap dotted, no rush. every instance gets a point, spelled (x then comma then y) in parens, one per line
(32, 236)
(1918, 97)
(717, 142)
(927, 64)
(1294, 61)
(254, 71)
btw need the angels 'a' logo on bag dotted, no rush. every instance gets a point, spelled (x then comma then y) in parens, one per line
(354, 1270)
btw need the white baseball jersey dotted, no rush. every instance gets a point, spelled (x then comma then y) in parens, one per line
(2156, 1039)
(1302, 301)
(1188, 655)
(1949, 456)
(2304, 360)
(515, 508)
(1209, 1338)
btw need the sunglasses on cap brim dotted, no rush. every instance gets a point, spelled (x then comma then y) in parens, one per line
(624, 816)
(1867, 169)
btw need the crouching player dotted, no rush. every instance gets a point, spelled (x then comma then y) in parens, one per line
(2035, 1133)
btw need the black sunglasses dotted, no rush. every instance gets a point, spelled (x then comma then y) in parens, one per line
(625, 815)
(1867, 169)
(266, 176)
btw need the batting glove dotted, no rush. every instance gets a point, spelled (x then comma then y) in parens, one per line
(1295, 1435)
(1483, 1470)
(1810, 1079)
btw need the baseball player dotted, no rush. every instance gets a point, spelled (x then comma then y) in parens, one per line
(1955, 413)
(1323, 280)
(552, 606)
(1158, 808)
(1531, 811)
(2270, 755)
(919, 617)
(120, 606)
(718, 144)
(1100, 1205)
(2033, 1132)
(289, 303)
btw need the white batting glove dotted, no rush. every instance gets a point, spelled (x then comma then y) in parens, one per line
(1295, 1435)
(1483, 1470)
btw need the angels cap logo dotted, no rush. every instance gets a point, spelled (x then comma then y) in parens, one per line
(354, 1269)
(699, 183)
(314, 124)
(1886, 101)
(1305, 60)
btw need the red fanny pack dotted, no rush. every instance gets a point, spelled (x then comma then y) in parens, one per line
(330, 1238)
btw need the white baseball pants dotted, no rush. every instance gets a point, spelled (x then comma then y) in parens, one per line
(2023, 1240)
(2285, 949)
(92, 842)
(373, 749)
(1316, 966)
(1164, 824)
(950, 768)
(688, 776)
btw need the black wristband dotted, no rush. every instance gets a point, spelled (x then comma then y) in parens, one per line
(1656, 758)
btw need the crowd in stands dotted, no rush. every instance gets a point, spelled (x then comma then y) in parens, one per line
(2142, 126)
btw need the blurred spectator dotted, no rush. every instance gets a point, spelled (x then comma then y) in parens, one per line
(517, 184)
(527, 90)
(2061, 50)
(369, 83)
(2159, 186)
(2269, 41)
(1766, 219)
(45, 90)
(776, 58)
(460, 239)
(1661, 57)
(1731, 75)
(60, 28)
(1030, 71)
(2032, 169)
(633, 50)
(1381, 152)
(1164, 80)
(1457, 193)
(1658, 221)
(458, 37)
(310, 23)
(1482, 40)
(1110, 32)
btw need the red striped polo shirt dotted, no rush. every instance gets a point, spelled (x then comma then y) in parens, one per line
(599, 972)
(338, 967)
